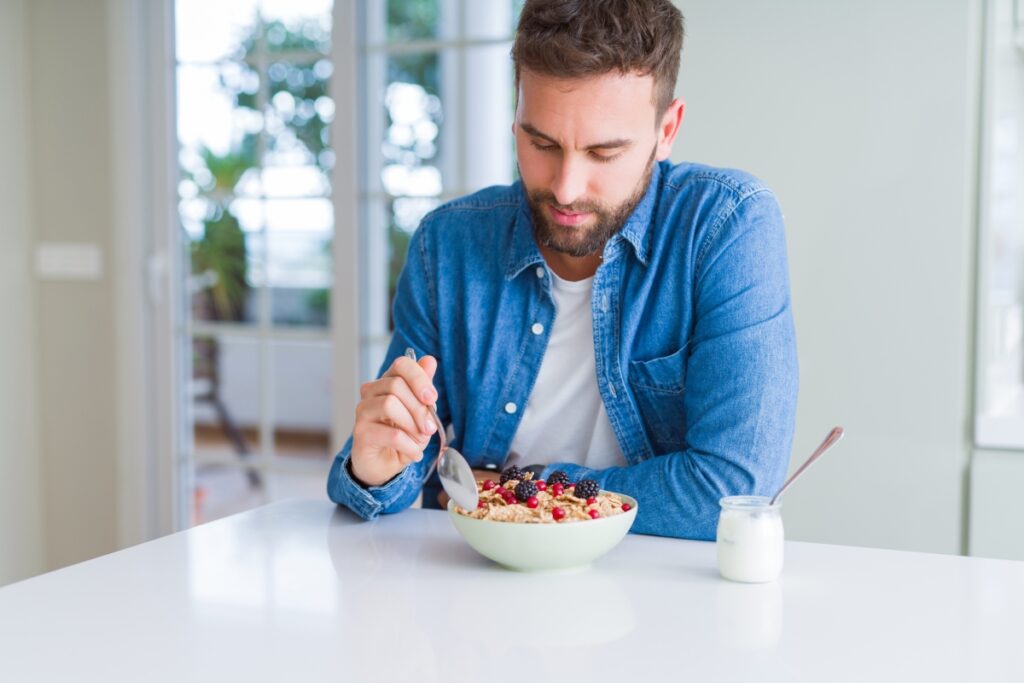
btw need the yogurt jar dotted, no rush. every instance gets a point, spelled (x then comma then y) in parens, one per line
(750, 539)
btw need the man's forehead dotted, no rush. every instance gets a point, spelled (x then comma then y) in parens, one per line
(629, 85)
(611, 95)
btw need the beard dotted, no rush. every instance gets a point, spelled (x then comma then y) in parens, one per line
(582, 241)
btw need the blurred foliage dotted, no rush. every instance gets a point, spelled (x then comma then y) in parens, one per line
(220, 252)
(412, 20)
(292, 124)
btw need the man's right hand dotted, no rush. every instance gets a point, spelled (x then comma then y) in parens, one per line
(393, 424)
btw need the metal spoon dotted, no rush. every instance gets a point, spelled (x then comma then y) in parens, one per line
(455, 473)
(831, 440)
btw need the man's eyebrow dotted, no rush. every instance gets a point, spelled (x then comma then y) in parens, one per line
(608, 144)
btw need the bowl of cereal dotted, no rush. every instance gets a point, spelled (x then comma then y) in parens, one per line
(556, 524)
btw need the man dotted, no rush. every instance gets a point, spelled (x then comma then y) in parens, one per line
(610, 315)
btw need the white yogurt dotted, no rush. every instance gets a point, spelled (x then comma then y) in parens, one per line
(750, 539)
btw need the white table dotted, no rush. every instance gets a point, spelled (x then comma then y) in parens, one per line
(303, 591)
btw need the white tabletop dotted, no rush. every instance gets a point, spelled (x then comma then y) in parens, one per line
(303, 591)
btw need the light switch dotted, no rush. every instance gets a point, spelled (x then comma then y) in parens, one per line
(69, 261)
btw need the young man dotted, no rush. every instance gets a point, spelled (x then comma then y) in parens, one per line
(610, 315)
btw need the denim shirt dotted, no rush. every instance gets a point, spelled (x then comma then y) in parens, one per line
(693, 339)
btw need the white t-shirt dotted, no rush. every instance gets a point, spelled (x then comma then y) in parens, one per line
(565, 419)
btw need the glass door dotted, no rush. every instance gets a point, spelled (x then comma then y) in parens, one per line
(256, 230)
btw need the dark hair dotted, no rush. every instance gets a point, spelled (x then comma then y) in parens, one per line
(578, 38)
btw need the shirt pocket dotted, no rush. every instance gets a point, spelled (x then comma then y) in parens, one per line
(658, 385)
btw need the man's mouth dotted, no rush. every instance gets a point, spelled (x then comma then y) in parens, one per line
(567, 218)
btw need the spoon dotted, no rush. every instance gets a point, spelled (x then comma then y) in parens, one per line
(455, 473)
(831, 440)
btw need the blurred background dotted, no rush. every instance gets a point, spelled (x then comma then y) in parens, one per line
(205, 207)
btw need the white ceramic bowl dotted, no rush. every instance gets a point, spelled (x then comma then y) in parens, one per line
(544, 547)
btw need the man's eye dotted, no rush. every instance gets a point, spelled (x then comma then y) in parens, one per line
(543, 148)
(604, 158)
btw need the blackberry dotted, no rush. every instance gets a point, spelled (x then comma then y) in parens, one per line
(511, 473)
(525, 490)
(586, 488)
(558, 477)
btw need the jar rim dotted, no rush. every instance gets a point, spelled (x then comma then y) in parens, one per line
(749, 503)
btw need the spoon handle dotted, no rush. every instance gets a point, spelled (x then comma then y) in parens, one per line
(411, 355)
(830, 441)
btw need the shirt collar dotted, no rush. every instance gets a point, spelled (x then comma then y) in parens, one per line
(636, 231)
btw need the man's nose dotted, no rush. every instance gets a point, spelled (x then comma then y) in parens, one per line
(570, 183)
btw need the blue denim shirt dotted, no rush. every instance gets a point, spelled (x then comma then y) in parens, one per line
(693, 339)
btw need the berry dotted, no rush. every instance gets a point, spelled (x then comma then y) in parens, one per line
(532, 502)
(626, 507)
(511, 473)
(587, 488)
(481, 504)
(508, 496)
(557, 513)
(594, 514)
(541, 485)
(489, 484)
(558, 477)
(557, 490)
(591, 500)
(525, 490)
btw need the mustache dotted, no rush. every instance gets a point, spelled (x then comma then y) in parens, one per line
(541, 197)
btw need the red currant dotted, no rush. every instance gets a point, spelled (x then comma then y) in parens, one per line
(594, 514)
(481, 504)
(489, 484)
(541, 486)
(557, 513)
(591, 500)
(626, 507)
(532, 502)
(557, 489)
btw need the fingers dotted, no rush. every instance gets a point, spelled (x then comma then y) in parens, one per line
(389, 410)
(429, 365)
(416, 377)
(404, 410)
(385, 436)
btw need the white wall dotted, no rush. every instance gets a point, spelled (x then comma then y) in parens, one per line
(72, 191)
(21, 528)
(862, 117)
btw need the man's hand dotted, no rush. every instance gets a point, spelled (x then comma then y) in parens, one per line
(393, 424)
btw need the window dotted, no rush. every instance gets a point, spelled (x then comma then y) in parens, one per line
(267, 250)
(1000, 422)
(253, 116)
(436, 85)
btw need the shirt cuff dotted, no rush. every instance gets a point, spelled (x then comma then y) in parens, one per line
(370, 501)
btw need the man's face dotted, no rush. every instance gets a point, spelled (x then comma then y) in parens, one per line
(586, 148)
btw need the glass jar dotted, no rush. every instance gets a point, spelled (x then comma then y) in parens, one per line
(750, 539)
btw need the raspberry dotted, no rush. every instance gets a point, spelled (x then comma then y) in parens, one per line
(594, 514)
(557, 513)
(587, 488)
(511, 473)
(626, 507)
(557, 490)
(532, 502)
(525, 490)
(559, 477)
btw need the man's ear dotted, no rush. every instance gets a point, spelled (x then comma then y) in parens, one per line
(668, 127)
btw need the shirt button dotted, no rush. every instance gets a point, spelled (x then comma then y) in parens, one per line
(511, 408)
(537, 328)
(540, 272)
